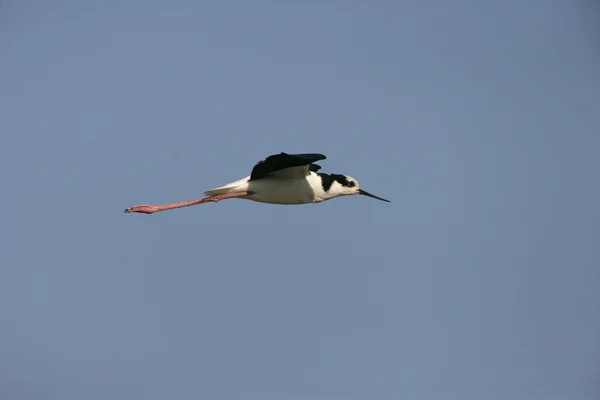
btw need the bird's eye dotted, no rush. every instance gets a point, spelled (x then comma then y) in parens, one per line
(351, 184)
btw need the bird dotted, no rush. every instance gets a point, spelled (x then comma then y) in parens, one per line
(284, 179)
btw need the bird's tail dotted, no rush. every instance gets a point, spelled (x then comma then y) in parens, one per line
(233, 187)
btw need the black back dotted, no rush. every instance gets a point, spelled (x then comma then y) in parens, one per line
(280, 161)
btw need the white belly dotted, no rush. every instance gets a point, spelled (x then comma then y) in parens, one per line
(281, 191)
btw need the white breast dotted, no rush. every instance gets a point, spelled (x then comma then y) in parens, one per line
(277, 190)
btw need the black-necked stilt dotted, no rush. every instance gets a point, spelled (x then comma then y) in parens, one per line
(278, 179)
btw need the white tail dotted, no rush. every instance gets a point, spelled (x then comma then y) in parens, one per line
(233, 187)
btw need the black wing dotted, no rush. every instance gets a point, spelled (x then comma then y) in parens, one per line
(281, 161)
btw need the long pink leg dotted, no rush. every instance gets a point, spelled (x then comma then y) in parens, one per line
(149, 209)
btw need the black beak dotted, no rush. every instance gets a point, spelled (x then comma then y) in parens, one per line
(360, 191)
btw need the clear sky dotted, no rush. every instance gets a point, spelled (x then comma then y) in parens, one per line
(479, 120)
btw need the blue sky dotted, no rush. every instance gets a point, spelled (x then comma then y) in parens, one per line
(479, 120)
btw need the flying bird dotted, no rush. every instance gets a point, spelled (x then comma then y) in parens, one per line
(278, 179)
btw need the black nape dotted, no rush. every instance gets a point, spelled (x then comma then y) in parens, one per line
(328, 179)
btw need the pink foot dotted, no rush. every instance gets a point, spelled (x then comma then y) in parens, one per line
(142, 209)
(149, 209)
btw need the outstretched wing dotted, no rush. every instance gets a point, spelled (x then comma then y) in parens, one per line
(286, 165)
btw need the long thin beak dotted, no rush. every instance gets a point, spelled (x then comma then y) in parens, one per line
(360, 191)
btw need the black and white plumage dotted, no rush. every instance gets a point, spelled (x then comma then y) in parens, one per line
(278, 179)
(292, 179)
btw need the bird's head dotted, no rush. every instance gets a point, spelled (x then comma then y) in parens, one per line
(344, 185)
